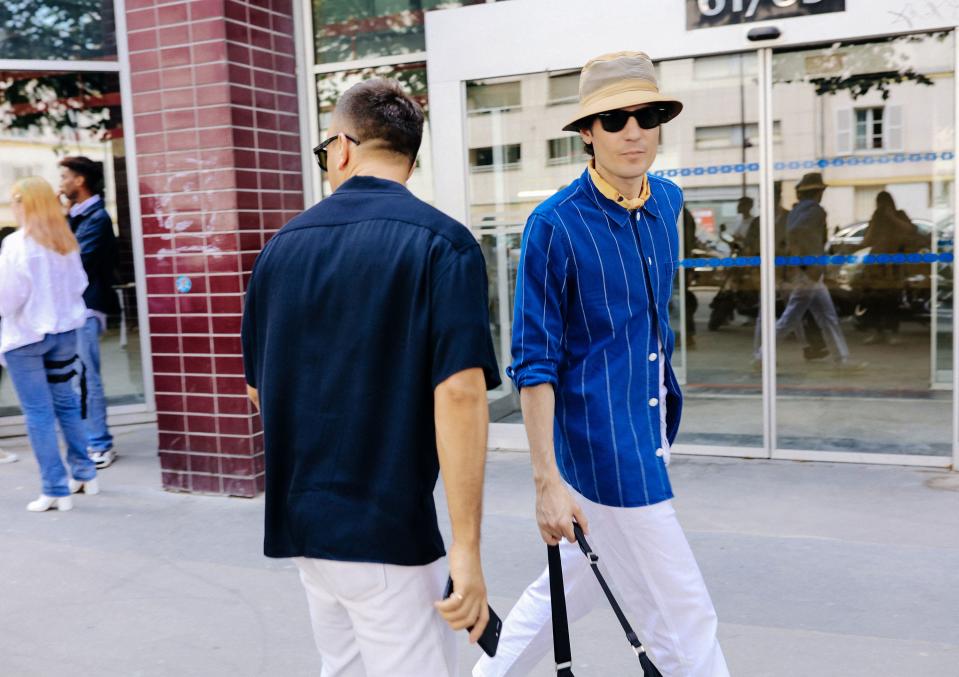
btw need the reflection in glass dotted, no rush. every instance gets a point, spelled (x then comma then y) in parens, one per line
(712, 152)
(347, 30)
(412, 77)
(519, 156)
(864, 245)
(43, 117)
(52, 29)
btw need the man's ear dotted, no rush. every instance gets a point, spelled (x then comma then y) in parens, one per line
(345, 152)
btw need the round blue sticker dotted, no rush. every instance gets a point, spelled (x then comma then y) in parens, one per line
(184, 284)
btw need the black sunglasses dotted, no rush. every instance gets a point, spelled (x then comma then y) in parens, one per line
(320, 150)
(648, 118)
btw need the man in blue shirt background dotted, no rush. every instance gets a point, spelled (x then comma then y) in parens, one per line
(81, 181)
(367, 347)
(591, 351)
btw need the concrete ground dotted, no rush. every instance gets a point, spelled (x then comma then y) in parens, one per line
(815, 569)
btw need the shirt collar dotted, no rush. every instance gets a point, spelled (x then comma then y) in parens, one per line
(82, 207)
(368, 183)
(604, 195)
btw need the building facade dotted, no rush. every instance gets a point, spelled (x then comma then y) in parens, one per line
(204, 113)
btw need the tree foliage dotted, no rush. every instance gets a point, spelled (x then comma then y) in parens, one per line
(51, 29)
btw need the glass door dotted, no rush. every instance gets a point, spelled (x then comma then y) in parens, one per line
(863, 183)
(712, 152)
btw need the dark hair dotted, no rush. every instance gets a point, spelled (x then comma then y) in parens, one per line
(587, 123)
(90, 170)
(884, 200)
(379, 110)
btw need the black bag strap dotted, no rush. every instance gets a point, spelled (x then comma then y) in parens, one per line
(557, 597)
(64, 377)
(649, 670)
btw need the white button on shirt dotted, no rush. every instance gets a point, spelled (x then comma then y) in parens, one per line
(41, 292)
(653, 402)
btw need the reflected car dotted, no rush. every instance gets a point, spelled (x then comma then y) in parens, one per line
(848, 239)
(846, 281)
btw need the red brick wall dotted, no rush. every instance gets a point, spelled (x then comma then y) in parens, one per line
(217, 134)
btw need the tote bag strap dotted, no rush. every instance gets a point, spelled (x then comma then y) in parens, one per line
(649, 670)
(557, 596)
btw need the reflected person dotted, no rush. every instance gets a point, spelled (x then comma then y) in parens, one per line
(806, 236)
(890, 231)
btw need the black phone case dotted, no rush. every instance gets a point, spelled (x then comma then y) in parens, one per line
(489, 640)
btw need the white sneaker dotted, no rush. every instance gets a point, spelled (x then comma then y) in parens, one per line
(103, 459)
(44, 503)
(89, 487)
(8, 457)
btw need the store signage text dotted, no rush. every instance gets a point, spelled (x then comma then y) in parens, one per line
(708, 13)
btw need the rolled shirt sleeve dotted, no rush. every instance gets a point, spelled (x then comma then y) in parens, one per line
(460, 335)
(539, 311)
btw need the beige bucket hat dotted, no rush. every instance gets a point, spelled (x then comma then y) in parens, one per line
(619, 80)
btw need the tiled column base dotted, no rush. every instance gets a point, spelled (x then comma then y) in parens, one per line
(214, 96)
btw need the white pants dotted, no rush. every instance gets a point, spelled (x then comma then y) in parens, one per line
(647, 559)
(378, 620)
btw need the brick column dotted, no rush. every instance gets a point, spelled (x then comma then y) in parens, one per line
(217, 133)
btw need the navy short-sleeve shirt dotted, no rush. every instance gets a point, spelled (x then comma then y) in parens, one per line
(356, 310)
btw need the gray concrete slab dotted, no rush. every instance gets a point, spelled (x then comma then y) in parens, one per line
(815, 568)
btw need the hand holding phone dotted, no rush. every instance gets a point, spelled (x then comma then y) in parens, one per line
(489, 640)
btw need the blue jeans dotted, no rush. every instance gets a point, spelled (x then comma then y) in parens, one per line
(88, 348)
(45, 402)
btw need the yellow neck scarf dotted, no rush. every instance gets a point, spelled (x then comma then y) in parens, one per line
(604, 187)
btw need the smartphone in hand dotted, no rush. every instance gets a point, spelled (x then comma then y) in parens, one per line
(489, 640)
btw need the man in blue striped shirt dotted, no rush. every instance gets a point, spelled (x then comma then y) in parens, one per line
(591, 357)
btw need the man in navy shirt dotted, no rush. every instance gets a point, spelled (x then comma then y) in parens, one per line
(367, 348)
(81, 181)
(591, 356)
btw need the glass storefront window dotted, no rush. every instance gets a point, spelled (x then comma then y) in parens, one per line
(864, 261)
(347, 30)
(519, 156)
(43, 117)
(412, 77)
(57, 29)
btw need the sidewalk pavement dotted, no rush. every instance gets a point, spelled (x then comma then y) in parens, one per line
(815, 568)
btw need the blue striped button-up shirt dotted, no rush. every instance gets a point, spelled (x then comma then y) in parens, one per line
(592, 306)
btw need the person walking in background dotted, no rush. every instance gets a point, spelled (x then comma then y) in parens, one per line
(806, 237)
(41, 307)
(81, 181)
(367, 347)
(591, 350)
(890, 231)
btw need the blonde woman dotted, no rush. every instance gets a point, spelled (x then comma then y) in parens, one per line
(41, 307)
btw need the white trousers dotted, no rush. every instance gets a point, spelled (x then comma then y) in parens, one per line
(378, 620)
(645, 556)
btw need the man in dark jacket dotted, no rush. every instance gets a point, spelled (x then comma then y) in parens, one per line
(81, 181)
(806, 239)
